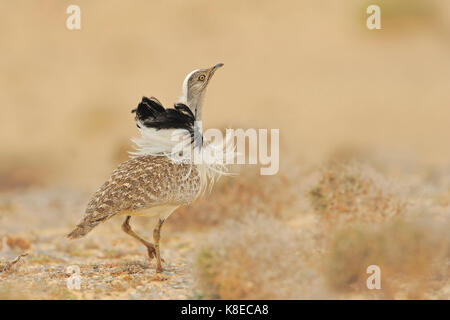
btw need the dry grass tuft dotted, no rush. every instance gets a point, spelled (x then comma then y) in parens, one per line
(257, 258)
(17, 242)
(353, 192)
(234, 197)
(410, 255)
(368, 222)
(6, 266)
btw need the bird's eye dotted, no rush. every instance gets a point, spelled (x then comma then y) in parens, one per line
(201, 78)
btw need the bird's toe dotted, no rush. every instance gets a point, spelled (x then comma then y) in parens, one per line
(151, 252)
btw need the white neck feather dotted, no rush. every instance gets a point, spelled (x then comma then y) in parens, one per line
(184, 95)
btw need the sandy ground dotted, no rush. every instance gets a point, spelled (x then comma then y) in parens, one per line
(308, 235)
(309, 68)
(112, 265)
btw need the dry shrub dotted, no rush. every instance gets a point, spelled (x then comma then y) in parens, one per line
(353, 192)
(8, 266)
(257, 258)
(412, 256)
(384, 160)
(234, 197)
(17, 242)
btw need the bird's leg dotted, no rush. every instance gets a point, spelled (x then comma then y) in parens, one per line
(156, 237)
(127, 228)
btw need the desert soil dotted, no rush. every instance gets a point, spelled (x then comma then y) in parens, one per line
(112, 265)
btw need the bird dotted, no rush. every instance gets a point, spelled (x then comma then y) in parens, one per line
(152, 183)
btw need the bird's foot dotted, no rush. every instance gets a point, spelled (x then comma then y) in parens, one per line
(152, 252)
(159, 269)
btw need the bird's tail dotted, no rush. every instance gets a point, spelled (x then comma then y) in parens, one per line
(81, 230)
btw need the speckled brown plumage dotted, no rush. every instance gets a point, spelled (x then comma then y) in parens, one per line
(138, 184)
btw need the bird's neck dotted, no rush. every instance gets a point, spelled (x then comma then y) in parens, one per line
(195, 103)
(196, 106)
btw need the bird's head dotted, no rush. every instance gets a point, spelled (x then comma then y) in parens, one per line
(194, 88)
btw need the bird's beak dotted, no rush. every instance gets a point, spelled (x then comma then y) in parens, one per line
(213, 69)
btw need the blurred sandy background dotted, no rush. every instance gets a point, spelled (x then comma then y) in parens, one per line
(309, 68)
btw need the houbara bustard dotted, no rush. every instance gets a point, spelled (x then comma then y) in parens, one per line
(152, 183)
